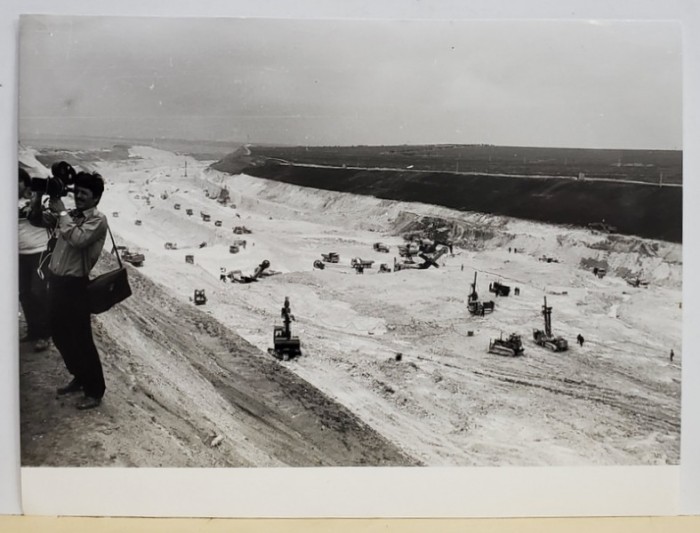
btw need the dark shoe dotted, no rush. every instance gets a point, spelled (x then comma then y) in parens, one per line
(89, 402)
(73, 386)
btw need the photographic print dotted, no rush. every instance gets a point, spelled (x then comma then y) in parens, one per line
(350, 242)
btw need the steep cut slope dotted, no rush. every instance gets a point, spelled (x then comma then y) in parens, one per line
(178, 382)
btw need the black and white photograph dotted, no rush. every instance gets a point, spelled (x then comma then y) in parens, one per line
(345, 243)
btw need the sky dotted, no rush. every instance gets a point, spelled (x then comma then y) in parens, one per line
(581, 84)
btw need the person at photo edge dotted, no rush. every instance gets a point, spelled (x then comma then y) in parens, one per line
(80, 237)
(32, 288)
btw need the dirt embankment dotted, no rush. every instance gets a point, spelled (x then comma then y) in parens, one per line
(642, 210)
(183, 390)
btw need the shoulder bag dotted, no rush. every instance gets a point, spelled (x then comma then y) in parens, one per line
(110, 288)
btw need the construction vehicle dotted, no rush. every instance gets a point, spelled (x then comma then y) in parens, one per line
(171, 246)
(137, 222)
(205, 217)
(602, 227)
(545, 338)
(241, 243)
(512, 346)
(408, 250)
(476, 307)
(499, 289)
(547, 259)
(383, 268)
(217, 223)
(319, 264)
(600, 272)
(360, 264)
(286, 346)
(134, 258)
(233, 249)
(203, 244)
(380, 247)
(115, 214)
(189, 212)
(164, 196)
(331, 257)
(240, 230)
(189, 259)
(428, 261)
(236, 277)
(199, 297)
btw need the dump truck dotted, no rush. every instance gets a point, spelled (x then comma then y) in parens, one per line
(134, 258)
(331, 257)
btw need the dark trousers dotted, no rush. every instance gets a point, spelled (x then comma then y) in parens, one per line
(71, 331)
(33, 297)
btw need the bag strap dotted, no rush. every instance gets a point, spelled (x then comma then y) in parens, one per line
(114, 246)
(114, 249)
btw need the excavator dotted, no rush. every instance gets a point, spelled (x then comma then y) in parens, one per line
(545, 338)
(285, 347)
(260, 271)
(428, 261)
(512, 346)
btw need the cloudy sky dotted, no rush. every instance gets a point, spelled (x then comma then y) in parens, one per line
(526, 83)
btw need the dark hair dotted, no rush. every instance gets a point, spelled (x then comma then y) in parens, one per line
(24, 176)
(92, 181)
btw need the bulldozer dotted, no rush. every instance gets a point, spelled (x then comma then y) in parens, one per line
(319, 264)
(476, 307)
(545, 338)
(285, 347)
(512, 346)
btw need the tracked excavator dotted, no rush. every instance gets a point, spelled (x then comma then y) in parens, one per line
(236, 277)
(428, 261)
(545, 338)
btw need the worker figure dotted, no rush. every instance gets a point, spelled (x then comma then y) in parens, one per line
(671, 356)
(579, 339)
(222, 275)
(462, 268)
(509, 249)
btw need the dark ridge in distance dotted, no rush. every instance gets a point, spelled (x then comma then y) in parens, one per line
(643, 210)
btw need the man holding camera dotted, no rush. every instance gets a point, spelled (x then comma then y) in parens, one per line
(81, 235)
(32, 288)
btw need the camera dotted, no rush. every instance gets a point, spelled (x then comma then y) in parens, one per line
(58, 184)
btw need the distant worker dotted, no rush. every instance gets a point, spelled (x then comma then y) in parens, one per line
(462, 269)
(517, 291)
(509, 249)
(222, 275)
(579, 339)
(671, 356)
